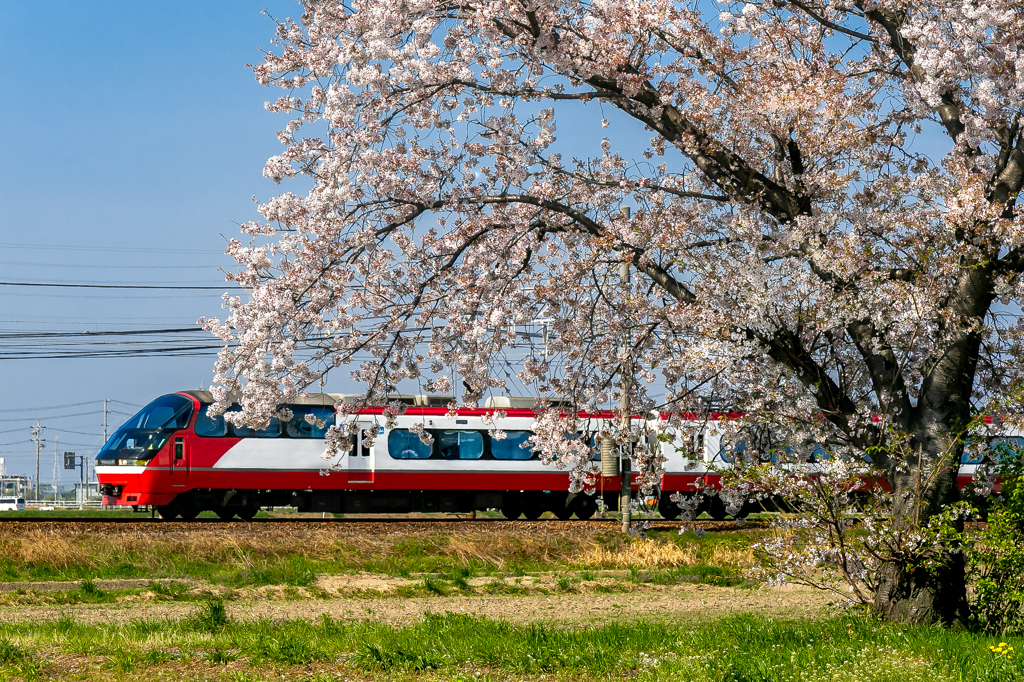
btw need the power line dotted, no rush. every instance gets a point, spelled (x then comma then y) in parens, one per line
(62, 416)
(37, 292)
(52, 407)
(90, 323)
(136, 353)
(80, 433)
(87, 333)
(110, 267)
(125, 249)
(115, 286)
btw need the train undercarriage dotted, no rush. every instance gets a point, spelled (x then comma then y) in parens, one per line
(245, 504)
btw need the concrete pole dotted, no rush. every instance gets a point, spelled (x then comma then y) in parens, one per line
(625, 453)
(37, 431)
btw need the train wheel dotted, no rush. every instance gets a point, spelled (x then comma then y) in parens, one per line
(513, 507)
(585, 507)
(248, 513)
(716, 509)
(189, 514)
(562, 512)
(224, 514)
(667, 508)
(533, 507)
(167, 511)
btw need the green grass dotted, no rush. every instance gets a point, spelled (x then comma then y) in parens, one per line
(240, 557)
(744, 648)
(76, 514)
(119, 513)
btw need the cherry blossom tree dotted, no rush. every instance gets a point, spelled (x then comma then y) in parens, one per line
(824, 231)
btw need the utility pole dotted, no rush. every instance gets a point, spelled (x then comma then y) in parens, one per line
(55, 479)
(37, 432)
(85, 463)
(625, 453)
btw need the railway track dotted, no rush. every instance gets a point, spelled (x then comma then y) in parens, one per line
(371, 525)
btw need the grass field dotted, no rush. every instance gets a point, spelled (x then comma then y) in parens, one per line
(294, 554)
(462, 647)
(437, 601)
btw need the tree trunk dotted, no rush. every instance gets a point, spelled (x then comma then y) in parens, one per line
(910, 591)
(937, 594)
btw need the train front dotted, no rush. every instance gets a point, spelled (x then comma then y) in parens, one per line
(134, 461)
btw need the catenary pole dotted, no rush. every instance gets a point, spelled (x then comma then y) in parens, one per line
(37, 431)
(625, 496)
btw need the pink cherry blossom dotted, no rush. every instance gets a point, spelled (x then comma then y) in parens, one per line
(822, 224)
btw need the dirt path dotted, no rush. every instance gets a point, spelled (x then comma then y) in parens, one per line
(683, 602)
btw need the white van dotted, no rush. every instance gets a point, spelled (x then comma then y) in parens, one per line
(12, 504)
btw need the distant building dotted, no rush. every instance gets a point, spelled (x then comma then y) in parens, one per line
(15, 486)
(88, 492)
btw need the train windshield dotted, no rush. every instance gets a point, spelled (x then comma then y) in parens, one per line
(168, 412)
(142, 436)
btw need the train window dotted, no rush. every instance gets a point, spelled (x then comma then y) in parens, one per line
(299, 427)
(460, 444)
(273, 430)
(211, 427)
(1006, 446)
(512, 446)
(729, 451)
(819, 454)
(166, 412)
(404, 444)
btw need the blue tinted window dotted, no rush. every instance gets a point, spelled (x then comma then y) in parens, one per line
(460, 444)
(820, 454)
(729, 451)
(404, 444)
(298, 427)
(212, 427)
(1004, 446)
(511, 446)
(273, 430)
(167, 412)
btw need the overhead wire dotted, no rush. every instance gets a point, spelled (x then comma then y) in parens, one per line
(168, 287)
(52, 417)
(51, 407)
(110, 267)
(105, 249)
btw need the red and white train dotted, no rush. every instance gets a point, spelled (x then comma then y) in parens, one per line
(172, 455)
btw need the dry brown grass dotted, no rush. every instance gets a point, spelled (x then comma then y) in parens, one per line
(59, 548)
(156, 549)
(651, 554)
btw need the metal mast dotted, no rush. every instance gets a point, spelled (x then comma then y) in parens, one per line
(625, 453)
(37, 432)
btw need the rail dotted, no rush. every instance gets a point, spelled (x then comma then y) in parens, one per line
(63, 504)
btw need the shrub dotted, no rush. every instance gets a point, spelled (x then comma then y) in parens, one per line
(995, 561)
(211, 616)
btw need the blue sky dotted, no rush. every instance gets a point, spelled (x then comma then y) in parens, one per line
(132, 139)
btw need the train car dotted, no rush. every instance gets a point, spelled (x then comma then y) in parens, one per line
(176, 457)
(697, 458)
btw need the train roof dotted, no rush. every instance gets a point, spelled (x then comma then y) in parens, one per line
(309, 399)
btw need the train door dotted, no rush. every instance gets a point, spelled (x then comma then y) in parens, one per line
(179, 461)
(360, 460)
